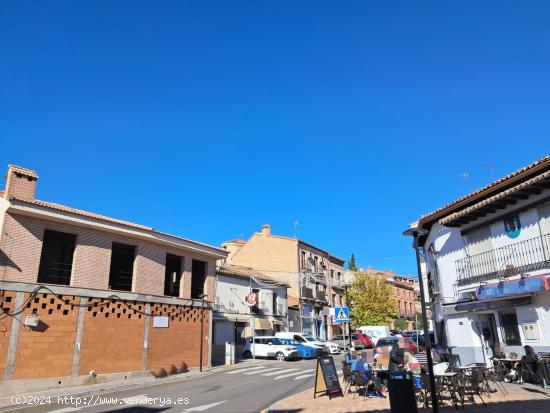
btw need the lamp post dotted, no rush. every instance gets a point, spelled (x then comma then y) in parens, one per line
(415, 232)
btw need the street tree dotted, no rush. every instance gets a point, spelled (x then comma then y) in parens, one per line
(351, 263)
(372, 300)
(400, 323)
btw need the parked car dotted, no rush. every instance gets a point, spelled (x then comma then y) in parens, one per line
(333, 348)
(366, 340)
(304, 339)
(375, 332)
(269, 347)
(305, 352)
(388, 342)
(344, 342)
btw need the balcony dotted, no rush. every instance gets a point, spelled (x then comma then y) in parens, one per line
(321, 296)
(307, 293)
(519, 258)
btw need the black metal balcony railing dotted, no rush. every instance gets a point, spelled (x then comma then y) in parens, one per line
(307, 293)
(321, 296)
(519, 258)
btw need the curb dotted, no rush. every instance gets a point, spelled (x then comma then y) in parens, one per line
(108, 387)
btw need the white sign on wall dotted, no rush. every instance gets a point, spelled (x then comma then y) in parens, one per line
(530, 331)
(160, 321)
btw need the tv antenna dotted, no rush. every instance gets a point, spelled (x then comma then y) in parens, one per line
(491, 167)
(296, 223)
(466, 176)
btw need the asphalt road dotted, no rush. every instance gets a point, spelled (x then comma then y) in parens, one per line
(246, 388)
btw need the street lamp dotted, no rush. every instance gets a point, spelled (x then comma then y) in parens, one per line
(415, 232)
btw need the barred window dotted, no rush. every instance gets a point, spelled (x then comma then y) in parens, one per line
(509, 322)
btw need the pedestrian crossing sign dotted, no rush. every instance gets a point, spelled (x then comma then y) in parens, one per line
(341, 314)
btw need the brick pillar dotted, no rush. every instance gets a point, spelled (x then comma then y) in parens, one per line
(185, 285)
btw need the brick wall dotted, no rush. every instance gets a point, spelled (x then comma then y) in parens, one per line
(174, 349)
(47, 350)
(112, 337)
(21, 244)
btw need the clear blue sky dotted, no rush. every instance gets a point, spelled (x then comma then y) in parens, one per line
(209, 119)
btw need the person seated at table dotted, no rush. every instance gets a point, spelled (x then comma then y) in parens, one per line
(412, 364)
(397, 356)
(365, 371)
(350, 358)
(421, 356)
(530, 361)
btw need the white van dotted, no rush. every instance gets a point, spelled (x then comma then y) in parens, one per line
(309, 341)
(375, 332)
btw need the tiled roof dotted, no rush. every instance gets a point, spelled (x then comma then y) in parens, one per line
(236, 241)
(493, 184)
(99, 217)
(23, 171)
(245, 273)
(494, 198)
(86, 214)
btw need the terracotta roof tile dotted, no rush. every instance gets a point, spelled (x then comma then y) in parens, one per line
(245, 273)
(487, 187)
(22, 170)
(99, 217)
(494, 198)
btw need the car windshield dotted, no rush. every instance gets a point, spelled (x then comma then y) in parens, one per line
(275, 341)
(309, 338)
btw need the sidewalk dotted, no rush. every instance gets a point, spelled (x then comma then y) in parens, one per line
(109, 387)
(520, 398)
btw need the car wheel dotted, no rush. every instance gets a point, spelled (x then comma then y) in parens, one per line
(280, 356)
(247, 354)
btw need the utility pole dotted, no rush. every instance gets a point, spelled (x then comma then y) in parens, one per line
(415, 232)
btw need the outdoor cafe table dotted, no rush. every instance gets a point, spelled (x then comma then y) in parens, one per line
(503, 366)
(446, 384)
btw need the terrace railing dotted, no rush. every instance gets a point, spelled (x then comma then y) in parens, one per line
(514, 259)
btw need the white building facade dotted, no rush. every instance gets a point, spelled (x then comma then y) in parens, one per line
(234, 318)
(488, 267)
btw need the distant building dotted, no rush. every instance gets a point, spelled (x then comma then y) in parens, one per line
(488, 262)
(405, 291)
(104, 294)
(314, 275)
(233, 316)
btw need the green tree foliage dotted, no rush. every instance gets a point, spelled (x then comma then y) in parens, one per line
(351, 263)
(400, 323)
(372, 300)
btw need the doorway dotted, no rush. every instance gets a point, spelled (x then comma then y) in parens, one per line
(487, 328)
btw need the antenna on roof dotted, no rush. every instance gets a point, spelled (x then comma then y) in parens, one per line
(466, 177)
(491, 167)
(296, 223)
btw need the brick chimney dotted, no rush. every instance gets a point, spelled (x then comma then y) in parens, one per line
(20, 183)
(266, 229)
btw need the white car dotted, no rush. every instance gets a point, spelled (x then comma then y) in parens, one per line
(304, 339)
(333, 348)
(269, 347)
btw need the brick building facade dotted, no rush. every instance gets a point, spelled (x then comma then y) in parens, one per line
(97, 285)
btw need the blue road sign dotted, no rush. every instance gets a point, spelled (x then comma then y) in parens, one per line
(341, 314)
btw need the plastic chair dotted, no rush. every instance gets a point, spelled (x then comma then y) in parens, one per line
(440, 368)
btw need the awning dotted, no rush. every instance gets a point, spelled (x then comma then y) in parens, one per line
(234, 318)
(512, 288)
(494, 304)
(262, 324)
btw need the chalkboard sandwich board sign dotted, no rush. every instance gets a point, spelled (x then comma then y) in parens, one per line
(326, 379)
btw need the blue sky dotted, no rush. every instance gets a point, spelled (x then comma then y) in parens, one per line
(209, 119)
